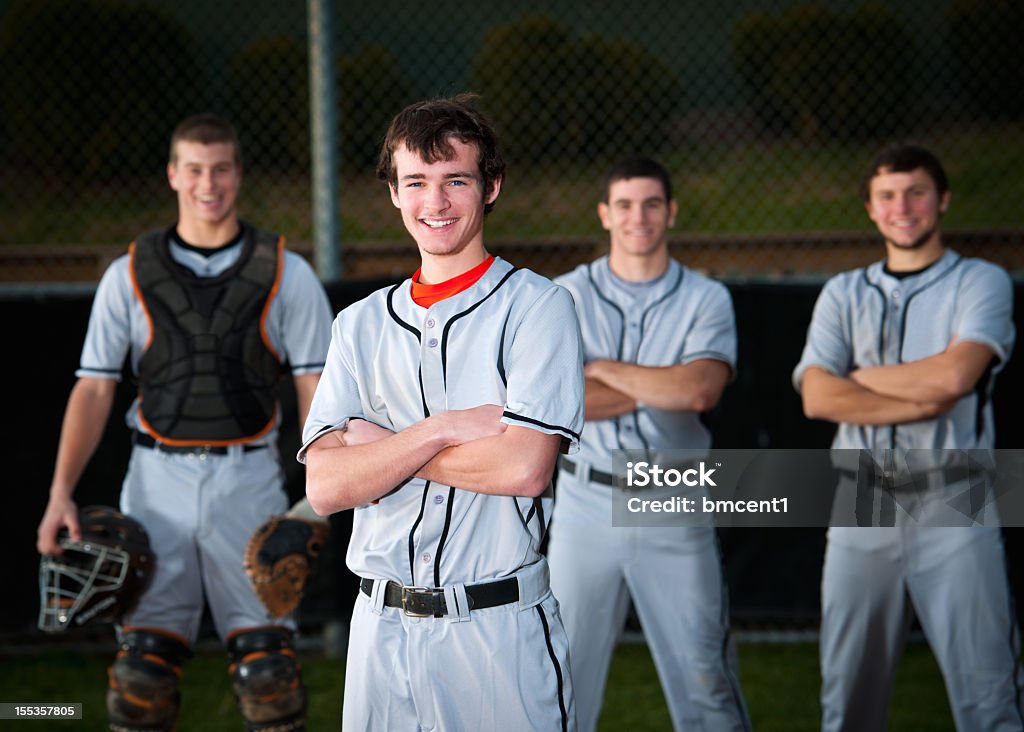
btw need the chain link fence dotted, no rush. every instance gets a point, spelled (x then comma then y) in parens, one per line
(766, 113)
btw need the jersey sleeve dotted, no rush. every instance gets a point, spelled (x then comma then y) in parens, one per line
(336, 400)
(985, 310)
(713, 334)
(544, 390)
(302, 315)
(108, 338)
(827, 345)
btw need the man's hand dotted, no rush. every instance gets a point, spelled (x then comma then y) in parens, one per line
(466, 425)
(60, 512)
(461, 426)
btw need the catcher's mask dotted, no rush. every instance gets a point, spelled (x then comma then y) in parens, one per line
(97, 578)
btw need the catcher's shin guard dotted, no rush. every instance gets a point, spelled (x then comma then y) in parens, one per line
(266, 680)
(143, 693)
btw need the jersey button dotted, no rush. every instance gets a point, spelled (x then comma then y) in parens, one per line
(438, 500)
(895, 294)
(426, 559)
(430, 322)
(432, 343)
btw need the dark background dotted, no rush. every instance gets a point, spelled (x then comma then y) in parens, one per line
(773, 574)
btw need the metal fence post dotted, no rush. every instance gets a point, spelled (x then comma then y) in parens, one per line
(323, 142)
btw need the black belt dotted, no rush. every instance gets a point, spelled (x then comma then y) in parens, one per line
(143, 440)
(886, 478)
(597, 476)
(423, 602)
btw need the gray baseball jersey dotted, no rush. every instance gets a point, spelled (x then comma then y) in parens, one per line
(673, 574)
(954, 578)
(511, 339)
(200, 510)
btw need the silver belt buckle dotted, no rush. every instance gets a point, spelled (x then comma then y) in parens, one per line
(412, 612)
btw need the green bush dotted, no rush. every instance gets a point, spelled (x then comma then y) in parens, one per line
(372, 89)
(585, 98)
(275, 136)
(825, 74)
(91, 89)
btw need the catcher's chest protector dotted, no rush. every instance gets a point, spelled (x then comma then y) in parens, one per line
(209, 374)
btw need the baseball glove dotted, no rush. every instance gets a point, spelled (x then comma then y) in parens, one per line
(280, 558)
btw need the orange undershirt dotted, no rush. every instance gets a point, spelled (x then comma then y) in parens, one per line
(427, 295)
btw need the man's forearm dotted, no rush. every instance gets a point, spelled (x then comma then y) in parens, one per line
(695, 386)
(355, 467)
(603, 402)
(837, 399)
(944, 376)
(518, 462)
(341, 476)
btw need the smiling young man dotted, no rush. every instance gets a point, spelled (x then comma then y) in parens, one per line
(190, 306)
(902, 356)
(660, 347)
(444, 404)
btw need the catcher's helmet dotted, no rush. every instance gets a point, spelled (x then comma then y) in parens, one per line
(99, 577)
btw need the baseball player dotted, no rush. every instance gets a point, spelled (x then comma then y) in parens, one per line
(443, 406)
(660, 346)
(211, 313)
(901, 355)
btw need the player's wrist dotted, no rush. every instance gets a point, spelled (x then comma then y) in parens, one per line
(442, 431)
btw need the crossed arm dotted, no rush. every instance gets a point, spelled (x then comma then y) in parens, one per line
(471, 449)
(896, 393)
(616, 387)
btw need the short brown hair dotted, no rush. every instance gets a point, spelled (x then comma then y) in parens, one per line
(904, 158)
(637, 168)
(427, 128)
(206, 129)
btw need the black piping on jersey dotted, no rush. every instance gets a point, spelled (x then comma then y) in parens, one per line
(640, 342)
(113, 372)
(444, 535)
(501, 351)
(536, 509)
(622, 345)
(558, 669)
(903, 322)
(394, 315)
(881, 341)
(467, 311)
(518, 417)
(981, 392)
(412, 533)
(613, 306)
(320, 365)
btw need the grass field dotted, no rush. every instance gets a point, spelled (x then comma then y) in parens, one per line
(780, 682)
(744, 187)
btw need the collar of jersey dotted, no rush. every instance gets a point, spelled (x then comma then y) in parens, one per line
(876, 274)
(427, 295)
(604, 279)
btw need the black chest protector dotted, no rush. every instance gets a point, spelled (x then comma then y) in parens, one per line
(208, 375)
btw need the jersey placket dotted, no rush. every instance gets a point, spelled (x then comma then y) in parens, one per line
(437, 498)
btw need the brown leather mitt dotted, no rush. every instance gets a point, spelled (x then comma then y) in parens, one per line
(281, 557)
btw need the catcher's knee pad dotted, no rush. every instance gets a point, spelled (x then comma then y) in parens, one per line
(143, 693)
(266, 679)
